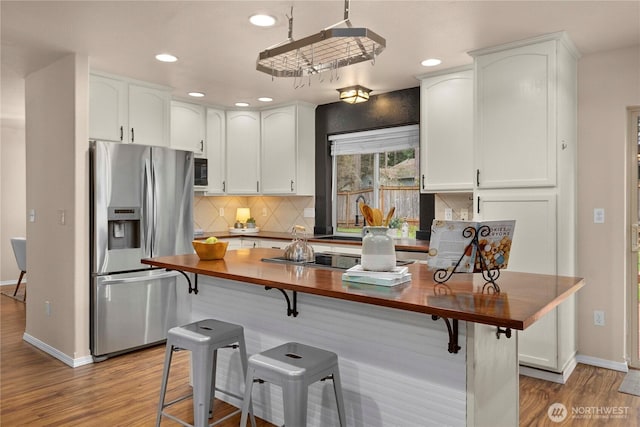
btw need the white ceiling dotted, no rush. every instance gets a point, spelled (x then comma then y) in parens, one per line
(217, 47)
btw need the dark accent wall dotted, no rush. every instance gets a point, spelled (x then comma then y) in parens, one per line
(396, 108)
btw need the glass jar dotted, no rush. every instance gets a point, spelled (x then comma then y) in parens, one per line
(378, 250)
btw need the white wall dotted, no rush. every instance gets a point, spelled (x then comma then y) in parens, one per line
(12, 173)
(57, 161)
(608, 82)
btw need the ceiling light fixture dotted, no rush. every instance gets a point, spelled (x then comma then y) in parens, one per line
(166, 57)
(265, 99)
(327, 50)
(431, 62)
(196, 94)
(260, 20)
(354, 94)
(242, 104)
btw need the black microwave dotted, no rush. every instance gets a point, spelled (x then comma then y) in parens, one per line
(200, 171)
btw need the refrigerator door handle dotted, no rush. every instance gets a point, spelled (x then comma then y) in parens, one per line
(154, 210)
(147, 209)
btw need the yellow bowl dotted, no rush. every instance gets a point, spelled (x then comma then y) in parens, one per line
(208, 251)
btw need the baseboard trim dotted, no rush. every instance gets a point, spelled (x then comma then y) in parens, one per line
(52, 351)
(12, 282)
(556, 377)
(603, 363)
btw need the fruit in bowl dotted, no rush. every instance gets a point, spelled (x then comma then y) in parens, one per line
(210, 249)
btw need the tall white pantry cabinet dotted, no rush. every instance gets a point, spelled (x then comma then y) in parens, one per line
(525, 132)
(522, 146)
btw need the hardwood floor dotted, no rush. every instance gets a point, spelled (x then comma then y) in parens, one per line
(38, 390)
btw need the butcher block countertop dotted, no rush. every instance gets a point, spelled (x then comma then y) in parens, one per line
(524, 297)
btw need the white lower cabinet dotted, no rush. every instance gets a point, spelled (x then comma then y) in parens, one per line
(234, 243)
(534, 241)
(550, 343)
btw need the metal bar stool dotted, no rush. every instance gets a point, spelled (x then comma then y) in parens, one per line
(293, 367)
(203, 339)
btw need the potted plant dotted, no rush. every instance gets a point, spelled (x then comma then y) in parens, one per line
(251, 222)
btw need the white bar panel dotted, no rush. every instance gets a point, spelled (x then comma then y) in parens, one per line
(394, 365)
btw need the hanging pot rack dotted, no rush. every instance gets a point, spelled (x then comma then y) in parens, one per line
(328, 50)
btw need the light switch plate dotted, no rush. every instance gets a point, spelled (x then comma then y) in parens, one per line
(598, 215)
(309, 213)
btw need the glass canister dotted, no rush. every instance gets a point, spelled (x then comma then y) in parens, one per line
(378, 250)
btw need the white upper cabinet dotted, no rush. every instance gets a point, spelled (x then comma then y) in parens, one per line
(188, 127)
(243, 152)
(288, 150)
(519, 107)
(149, 115)
(446, 131)
(215, 146)
(107, 109)
(128, 111)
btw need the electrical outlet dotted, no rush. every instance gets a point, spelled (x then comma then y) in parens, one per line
(448, 214)
(61, 216)
(221, 211)
(47, 308)
(464, 214)
(264, 211)
(598, 317)
(598, 216)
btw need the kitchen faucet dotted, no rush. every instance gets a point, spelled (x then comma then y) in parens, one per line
(360, 197)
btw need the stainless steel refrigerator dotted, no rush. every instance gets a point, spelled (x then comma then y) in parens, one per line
(141, 206)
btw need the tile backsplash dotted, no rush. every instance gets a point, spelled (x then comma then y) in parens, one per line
(272, 213)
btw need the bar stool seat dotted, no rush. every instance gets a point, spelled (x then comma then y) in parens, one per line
(203, 339)
(293, 367)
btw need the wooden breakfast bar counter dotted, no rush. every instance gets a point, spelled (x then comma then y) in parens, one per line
(396, 367)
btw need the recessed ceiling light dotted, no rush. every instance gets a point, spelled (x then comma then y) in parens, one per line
(265, 99)
(431, 62)
(166, 57)
(261, 20)
(196, 94)
(242, 104)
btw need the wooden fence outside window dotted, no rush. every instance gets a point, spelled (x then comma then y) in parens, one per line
(405, 199)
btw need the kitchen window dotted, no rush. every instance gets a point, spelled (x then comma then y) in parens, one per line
(379, 168)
